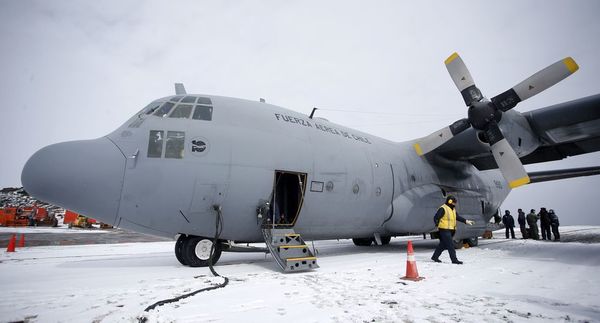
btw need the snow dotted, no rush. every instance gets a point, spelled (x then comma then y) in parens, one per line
(501, 280)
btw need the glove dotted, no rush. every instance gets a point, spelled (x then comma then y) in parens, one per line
(469, 222)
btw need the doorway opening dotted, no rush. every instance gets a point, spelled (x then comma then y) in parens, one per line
(288, 196)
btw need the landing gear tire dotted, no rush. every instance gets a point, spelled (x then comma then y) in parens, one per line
(179, 249)
(196, 251)
(385, 241)
(362, 242)
(472, 242)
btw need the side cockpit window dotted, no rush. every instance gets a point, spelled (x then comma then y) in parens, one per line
(155, 143)
(175, 144)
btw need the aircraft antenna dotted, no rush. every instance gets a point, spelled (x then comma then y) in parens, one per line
(312, 113)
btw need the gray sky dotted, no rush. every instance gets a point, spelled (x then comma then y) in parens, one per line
(77, 70)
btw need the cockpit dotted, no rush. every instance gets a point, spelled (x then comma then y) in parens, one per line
(182, 107)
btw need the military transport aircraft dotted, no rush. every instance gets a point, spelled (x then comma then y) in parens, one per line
(214, 170)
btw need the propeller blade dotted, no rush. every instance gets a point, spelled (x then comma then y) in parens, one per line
(462, 78)
(438, 138)
(511, 167)
(535, 84)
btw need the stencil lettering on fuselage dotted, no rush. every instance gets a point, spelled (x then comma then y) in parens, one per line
(324, 128)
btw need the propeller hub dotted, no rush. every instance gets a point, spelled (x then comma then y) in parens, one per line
(482, 113)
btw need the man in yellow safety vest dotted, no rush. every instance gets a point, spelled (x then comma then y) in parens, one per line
(445, 219)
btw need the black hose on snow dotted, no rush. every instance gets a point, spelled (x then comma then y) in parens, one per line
(218, 230)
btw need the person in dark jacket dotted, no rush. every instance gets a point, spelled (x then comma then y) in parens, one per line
(522, 222)
(545, 224)
(554, 224)
(532, 219)
(509, 224)
(445, 219)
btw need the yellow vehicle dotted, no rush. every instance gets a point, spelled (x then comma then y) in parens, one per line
(80, 222)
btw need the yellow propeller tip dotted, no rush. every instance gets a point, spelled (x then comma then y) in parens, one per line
(571, 65)
(519, 182)
(451, 58)
(418, 149)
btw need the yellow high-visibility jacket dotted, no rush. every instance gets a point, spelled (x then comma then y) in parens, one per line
(448, 221)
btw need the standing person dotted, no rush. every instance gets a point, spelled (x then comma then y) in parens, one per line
(509, 224)
(445, 218)
(532, 219)
(554, 223)
(545, 224)
(522, 222)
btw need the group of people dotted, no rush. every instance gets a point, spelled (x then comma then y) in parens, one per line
(446, 217)
(548, 222)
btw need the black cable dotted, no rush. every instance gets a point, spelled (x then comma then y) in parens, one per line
(218, 230)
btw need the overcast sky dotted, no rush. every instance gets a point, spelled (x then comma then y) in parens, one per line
(74, 70)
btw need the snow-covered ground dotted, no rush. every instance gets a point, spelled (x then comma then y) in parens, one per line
(501, 280)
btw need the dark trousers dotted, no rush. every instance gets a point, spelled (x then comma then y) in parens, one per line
(445, 244)
(524, 232)
(555, 232)
(512, 232)
(546, 232)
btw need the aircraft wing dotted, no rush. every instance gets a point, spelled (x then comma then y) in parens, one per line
(563, 130)
(566, 129)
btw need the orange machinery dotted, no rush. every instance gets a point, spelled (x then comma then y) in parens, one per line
(19, 217)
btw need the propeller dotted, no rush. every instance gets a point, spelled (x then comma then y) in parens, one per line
(484, 115)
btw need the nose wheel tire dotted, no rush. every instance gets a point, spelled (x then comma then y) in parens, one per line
(196, 251)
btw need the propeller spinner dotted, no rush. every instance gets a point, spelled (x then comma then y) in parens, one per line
(484, 115)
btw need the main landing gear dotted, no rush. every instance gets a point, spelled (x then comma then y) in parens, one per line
(365, 242)
(194, 251)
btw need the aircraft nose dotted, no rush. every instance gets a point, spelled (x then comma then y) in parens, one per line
(83, 176)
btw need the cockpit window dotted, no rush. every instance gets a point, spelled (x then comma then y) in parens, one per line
(175, 144)
(152, 107)
(203, 113)
(202, 109)
(155, 143)
(164, 109)
(189, 99)
(181, 111)
(206, 101)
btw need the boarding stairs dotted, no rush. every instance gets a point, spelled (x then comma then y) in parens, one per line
(289, 249)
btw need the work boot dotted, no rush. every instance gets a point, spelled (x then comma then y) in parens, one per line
(458, 262)
(435, 259)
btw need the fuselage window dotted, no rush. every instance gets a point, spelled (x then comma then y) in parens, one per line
(155, 143)
(203, 113)
(189, 99)
(164, 109)
(175, 144)
(181, 111)
(176, 98)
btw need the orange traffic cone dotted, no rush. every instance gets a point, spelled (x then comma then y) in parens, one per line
(22, 241)
(411, 265)
(11, 244)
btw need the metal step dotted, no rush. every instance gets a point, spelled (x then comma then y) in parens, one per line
(289, 250)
